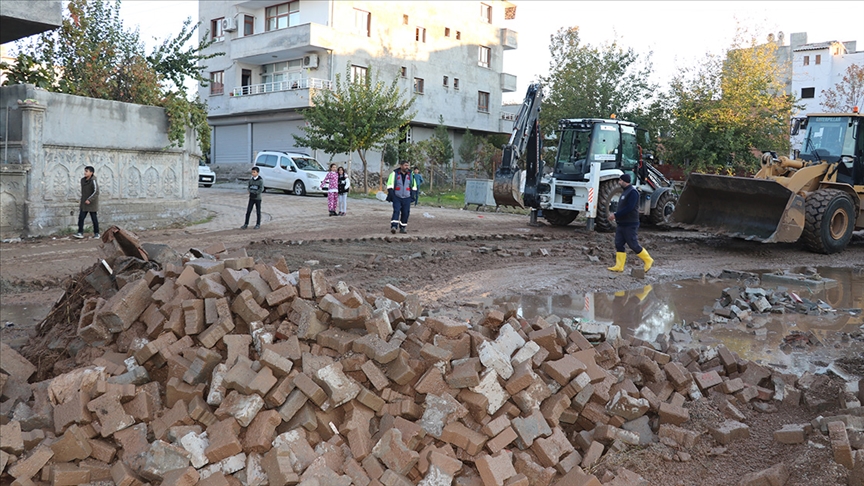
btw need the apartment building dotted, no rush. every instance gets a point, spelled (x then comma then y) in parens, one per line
(811, 68)
(449, 55)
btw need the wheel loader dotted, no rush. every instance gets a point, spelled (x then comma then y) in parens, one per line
(592, 154)
(816, 198)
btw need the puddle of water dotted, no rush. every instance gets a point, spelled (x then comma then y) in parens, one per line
(654, 310)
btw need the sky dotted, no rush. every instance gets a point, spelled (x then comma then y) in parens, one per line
(677, 33)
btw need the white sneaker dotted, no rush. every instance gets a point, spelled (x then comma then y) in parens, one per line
(96, 236)
(78, 235)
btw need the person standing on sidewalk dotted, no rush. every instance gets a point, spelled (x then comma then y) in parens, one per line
(89, 202)
(418, 178)
(256, 187)
(627, 228)
(400, 191)
(344, 187)
(331, 185)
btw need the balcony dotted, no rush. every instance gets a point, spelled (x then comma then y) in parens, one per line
(509, 39)
(268, 97)
(279, 45)
(296, 84)
(508, 83)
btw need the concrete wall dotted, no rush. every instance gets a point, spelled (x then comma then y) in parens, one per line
(19, 18)
(143, 183)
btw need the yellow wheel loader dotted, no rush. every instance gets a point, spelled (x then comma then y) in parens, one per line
(816, 198)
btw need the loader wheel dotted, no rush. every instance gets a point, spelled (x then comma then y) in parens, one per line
(607, 203)
(662, 213)
(559, 217)
(829, 221)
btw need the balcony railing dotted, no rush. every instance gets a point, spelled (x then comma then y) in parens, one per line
(291, 85)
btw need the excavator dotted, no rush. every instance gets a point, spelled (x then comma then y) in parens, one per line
(816, 198)
(592, 154)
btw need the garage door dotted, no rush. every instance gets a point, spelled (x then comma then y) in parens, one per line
(275, 135)
(230, 145)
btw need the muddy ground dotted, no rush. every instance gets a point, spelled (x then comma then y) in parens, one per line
(462, 260)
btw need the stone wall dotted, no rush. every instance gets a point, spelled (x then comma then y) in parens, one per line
(52, 137)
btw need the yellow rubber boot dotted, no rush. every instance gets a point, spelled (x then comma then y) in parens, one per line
(620, 259)
(646, 258)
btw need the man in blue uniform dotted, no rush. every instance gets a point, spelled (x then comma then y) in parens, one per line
(627, 229)
(401, 187)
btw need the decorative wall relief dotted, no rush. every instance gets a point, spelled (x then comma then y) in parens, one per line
(107, 182)
(170, 185)
(133, 182)
(151, 183)
(60, 182)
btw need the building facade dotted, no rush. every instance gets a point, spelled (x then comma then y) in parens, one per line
(810, 69)
(449, 55)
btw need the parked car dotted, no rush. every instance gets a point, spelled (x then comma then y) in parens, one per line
(291, 172)
(206, 176)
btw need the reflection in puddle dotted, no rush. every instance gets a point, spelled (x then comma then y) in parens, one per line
(654, 310)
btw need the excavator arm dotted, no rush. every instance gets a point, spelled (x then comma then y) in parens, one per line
(524, 140)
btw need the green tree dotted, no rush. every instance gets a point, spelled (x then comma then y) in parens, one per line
(478, 153)
(93, 54)
(727, 105)
(439, 153)
(846, 94)
(593, 81)
(355, 116)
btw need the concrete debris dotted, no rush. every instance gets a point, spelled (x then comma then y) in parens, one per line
(315, 383)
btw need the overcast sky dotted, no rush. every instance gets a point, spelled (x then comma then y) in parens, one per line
(678, 33)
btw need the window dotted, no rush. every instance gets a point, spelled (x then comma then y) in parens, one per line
(282, 75)
(806, 60)
(282, 16)
(248, 25)
(818, 59)
(216, 32)
(446, 82)
(404, 20)
(358, 73)
(362, 22)
(483, 101)
(808, 93)
(486, 13)
(404, 72)
(484, 54)
(418, 85)
(458, 35)
(217, 83)
(420, 34)
(446, 31)
(456, 83)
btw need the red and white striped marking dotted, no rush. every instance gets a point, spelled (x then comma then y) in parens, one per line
(591, 195)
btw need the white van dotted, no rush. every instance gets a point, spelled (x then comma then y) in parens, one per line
(290, 172)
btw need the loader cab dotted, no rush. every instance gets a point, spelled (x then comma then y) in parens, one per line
(586, 140)
(837, 138)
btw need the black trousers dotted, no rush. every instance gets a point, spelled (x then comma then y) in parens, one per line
(627, 235)
(257, 204)
(82, 215)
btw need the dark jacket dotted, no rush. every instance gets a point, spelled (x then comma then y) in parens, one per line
(89, 190)
(400, 185)
(256, 187)
(344, 184)
(628, 208)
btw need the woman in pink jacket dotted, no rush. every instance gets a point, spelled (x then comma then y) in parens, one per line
(331, 184)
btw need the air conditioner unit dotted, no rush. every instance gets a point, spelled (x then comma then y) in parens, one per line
(310, 61)
(229, 24)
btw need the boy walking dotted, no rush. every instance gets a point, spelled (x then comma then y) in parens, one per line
(418, 178)
(89, 202)
(256, 187)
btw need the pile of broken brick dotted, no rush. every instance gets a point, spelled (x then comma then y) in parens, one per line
(223, 371)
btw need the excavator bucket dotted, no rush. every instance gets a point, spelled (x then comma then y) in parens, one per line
(507, 187)
(753, 209)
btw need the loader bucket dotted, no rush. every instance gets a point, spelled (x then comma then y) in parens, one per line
(742, 207)
(507, 187)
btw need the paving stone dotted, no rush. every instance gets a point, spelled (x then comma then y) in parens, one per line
(729, 431)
